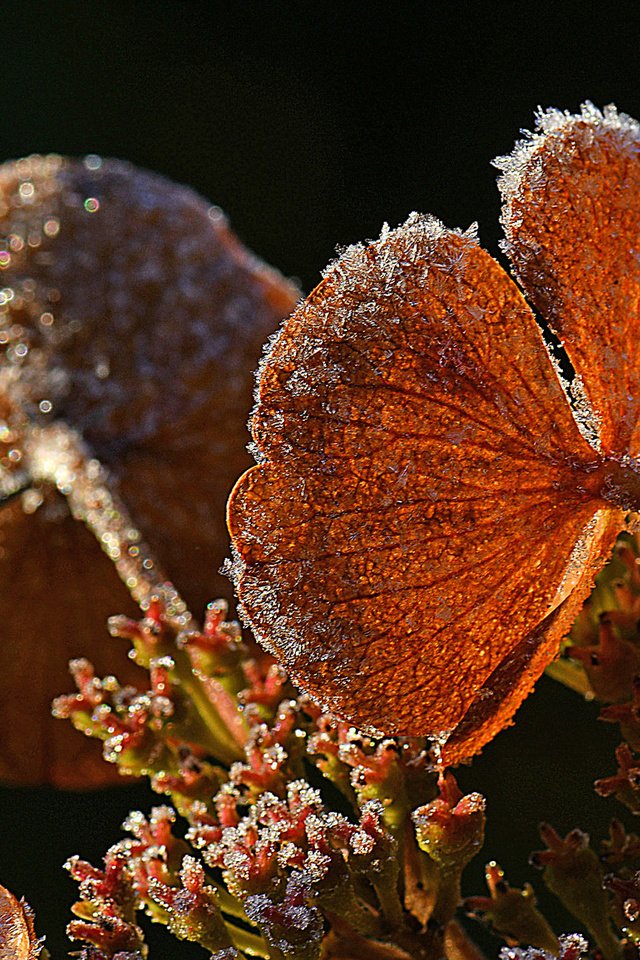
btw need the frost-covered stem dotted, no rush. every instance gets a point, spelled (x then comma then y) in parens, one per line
(389, 900)
(230, 906)
(227, 747)
(448, 897)
(226, 705)
(252, 943)
(210, 731)
(56, 454)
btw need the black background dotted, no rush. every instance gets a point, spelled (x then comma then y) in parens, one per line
(311, 124)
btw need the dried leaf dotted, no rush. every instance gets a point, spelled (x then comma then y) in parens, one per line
(18, 940)
(132, 314)
(427, 515)
(572, 226)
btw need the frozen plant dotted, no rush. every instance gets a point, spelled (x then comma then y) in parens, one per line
(433, 498)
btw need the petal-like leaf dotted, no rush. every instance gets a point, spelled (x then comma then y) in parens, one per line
(572, 224)
(425, 498)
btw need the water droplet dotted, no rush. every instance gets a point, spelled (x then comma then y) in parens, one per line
(26, 190)
(632, 909)
(92, 161)
(92, 204)
(45, 406)
(52, 227)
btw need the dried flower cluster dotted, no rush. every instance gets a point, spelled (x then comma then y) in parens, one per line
(292, 835)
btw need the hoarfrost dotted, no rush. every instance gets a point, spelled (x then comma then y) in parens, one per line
(572, 947)
(586, 417)
(550, 124)
(291, 921)
(577, 562)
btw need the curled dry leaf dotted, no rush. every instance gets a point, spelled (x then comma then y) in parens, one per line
(432, 500)
(18, 940)
(131, 319)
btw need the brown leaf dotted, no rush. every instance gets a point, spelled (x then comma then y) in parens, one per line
(131, 313)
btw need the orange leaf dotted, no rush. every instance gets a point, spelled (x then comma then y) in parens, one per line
(572, 226)
(427, 516)
(17, 935)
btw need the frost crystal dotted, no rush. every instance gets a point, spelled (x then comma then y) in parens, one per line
(573, 946)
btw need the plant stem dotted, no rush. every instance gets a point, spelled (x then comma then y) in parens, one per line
(56, 454)
(224, 745)
(251, 942)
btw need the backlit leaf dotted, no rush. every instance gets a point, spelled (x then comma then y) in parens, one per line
(426, 517)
